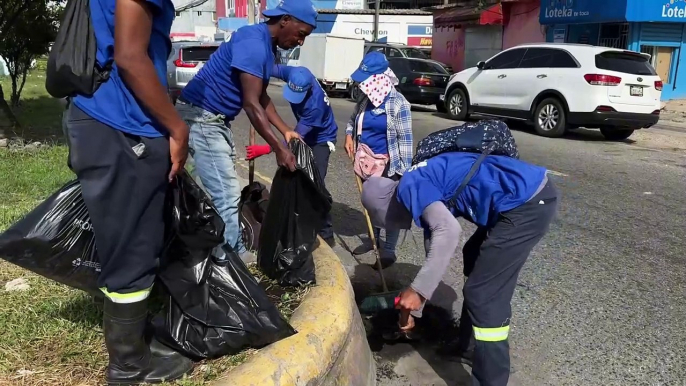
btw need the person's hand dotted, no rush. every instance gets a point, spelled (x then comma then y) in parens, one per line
(409, 300)
(349, 147)
(290, 135)
(256, 151)
(285, 158)
(178, 150)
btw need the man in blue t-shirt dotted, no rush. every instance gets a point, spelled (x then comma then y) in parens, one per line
(316, 124)
(512, 203)
(234, 79)
(127, 142)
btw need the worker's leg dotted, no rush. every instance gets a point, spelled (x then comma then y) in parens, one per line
(214, 161)
(489, 289)
(124, 182)
(321, 153)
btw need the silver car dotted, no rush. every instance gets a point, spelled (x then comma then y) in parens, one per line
(185, 60)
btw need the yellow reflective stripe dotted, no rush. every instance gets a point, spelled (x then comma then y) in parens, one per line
(496, 334)
(132, 297)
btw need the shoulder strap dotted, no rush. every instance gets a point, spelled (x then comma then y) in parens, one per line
(475, 167)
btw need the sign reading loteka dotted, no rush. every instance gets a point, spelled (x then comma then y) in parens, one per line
(672, 10)
(562, 9)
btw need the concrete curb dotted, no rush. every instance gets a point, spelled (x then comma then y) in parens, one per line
(330, 347)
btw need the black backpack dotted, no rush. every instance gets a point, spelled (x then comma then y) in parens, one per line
(72, 66)
(487, 137)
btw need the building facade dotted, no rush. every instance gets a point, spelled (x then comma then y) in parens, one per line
(520, 23)
(655, 27)
(195, 20)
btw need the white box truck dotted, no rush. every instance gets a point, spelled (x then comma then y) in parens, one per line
(332, 59)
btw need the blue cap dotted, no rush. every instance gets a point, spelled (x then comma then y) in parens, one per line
(299, 82)
(373, 63)
(302, 10)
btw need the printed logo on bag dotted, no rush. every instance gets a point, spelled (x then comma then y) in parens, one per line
(83, 225)
(89, 264)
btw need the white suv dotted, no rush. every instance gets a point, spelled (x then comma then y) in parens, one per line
(561, 86)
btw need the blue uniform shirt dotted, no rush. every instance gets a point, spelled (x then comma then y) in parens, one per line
(374, 128)
(316, 123)
(113, 104)
(217, 87)
(501, 184)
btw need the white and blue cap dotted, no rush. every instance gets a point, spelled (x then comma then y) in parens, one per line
(302, 10)
(374, 63)
(299, 83)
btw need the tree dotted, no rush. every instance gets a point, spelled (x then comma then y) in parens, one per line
(10, 12)
(27, 40)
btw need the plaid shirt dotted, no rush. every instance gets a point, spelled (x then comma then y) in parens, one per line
(399, 133)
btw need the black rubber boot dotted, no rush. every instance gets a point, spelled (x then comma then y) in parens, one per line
(131, 361)
(461, 349)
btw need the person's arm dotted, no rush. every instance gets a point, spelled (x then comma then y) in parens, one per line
(444, 233)
(403, 126)
(273, 115)
(251, 60)
(281, 72)
(133, 19)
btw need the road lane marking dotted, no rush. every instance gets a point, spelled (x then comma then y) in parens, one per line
(258, 174)
(553, 172)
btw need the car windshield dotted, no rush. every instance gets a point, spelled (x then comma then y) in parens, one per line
(628, 63)
(197, 54)
(413, 53)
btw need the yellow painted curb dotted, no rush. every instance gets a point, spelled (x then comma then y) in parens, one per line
(330, 347)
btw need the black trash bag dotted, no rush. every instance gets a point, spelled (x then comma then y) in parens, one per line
(290, 228)
(211, 309)
(72, 66)
(56, 240)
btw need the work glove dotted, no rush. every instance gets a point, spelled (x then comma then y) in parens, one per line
(256, 151)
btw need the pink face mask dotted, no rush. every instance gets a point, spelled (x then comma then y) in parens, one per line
(377, 87)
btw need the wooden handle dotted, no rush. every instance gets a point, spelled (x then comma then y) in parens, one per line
(251, 163)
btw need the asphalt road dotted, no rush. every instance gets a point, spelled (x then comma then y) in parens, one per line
(601, 299)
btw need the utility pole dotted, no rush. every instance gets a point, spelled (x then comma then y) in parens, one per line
(376, 20)
(251, 11)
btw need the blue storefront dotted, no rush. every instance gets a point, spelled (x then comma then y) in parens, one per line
(656, 27)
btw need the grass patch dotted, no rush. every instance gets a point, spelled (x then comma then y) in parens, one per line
(52, 334)
(39, 114)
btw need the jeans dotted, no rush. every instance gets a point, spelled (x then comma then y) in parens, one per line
(321, 153)
(214, 160)
(389, 242)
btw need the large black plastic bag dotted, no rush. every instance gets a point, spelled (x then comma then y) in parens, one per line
(290, 228)
(56, 240)
(211, 310)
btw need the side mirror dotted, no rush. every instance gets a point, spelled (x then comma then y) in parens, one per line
(481, 65)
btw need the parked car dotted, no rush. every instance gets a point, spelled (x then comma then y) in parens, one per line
(396, 50)
(422, 81)
(556, 86)
(185, 60)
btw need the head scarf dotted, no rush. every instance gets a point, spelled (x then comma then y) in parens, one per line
(377, 87)
(380, 200)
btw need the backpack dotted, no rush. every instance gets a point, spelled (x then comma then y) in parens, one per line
(487, 137)
(72, 66)
(252, 208)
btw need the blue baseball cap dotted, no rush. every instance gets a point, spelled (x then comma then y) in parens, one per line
(299, 83)
(373, 63)
(302, 10)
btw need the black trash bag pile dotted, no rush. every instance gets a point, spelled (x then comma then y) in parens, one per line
(210, 310)
(290, 228)
(252, 209)
(56, 241)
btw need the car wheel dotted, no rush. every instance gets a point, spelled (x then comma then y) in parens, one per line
(457, 105)
(616, 134)
(550, 118)
(354, 92)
